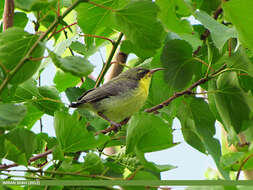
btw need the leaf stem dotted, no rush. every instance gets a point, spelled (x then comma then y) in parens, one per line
(101, 37)
(108, 62)
(203, 62)
(101, 6)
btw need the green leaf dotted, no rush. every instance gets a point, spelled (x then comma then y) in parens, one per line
(191, 137)
(20, 19)
(143, 133)
(238, 60)
(27, 91)
(219, 33)
(74, 93)
(74, 64)
(93, 163)
(209, 6)
(64, 80)
(14, 154)
(11, 114)
(24, 140)
(92, 18)
(49, 100)
(196, 111)
(72, 134)
(138, 21)
(128, 47)
(115, 169)
(176, 58)
(2, 148)
(29, 5)
(14, 44)
(232, 102)
(238, 12)
(141, 175)
(169, 16)
(231, 160)
(31, 117)
(1, 9)
(78, 47)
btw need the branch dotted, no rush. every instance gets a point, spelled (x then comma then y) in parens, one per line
(41, 38)
(108, 62)
(38, 156)
(184, 92)
(112, 127)
(241, 166)
(8, 15)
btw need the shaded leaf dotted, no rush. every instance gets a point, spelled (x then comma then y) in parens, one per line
(93, 163)
(64, 80)
(11, 114)
(72, 134)
(238, 12)
(138, 22)
(143, 133)
(20, 19)
(232, 103)
(169, 15)
(31, 117)
(49, 100)
(24, 140)
(176, 58)
(219, 33)
(74, 64)
(196, 111)
(14, 44)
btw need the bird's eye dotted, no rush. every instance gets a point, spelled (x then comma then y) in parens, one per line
(142, 73)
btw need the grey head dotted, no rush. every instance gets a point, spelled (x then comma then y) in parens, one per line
(136, 73)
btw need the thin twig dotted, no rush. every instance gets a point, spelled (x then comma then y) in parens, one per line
(4, 68)
(241, 166)
(101, 6)
(184, 92)
(204, 63)
(108, 62)
(38, 156)
(68, 26)
(101, 37)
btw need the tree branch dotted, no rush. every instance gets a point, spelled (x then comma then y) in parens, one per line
(108, 62)
(184, 92)
(38, 156)
(241, 166)
(8, 15)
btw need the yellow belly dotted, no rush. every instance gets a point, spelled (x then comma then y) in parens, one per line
(123, 106)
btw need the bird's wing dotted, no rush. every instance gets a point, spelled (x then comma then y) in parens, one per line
(112, 88)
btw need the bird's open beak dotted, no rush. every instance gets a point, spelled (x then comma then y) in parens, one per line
(154, 70)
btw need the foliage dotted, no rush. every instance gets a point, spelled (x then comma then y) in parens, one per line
(207, 76)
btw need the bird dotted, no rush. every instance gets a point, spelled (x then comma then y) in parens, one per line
(118, 99)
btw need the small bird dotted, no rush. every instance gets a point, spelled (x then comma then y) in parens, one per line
(119, 98)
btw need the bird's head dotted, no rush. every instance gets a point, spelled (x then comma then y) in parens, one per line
(139, 73)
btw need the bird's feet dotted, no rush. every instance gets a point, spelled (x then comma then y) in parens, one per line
(116, 126)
